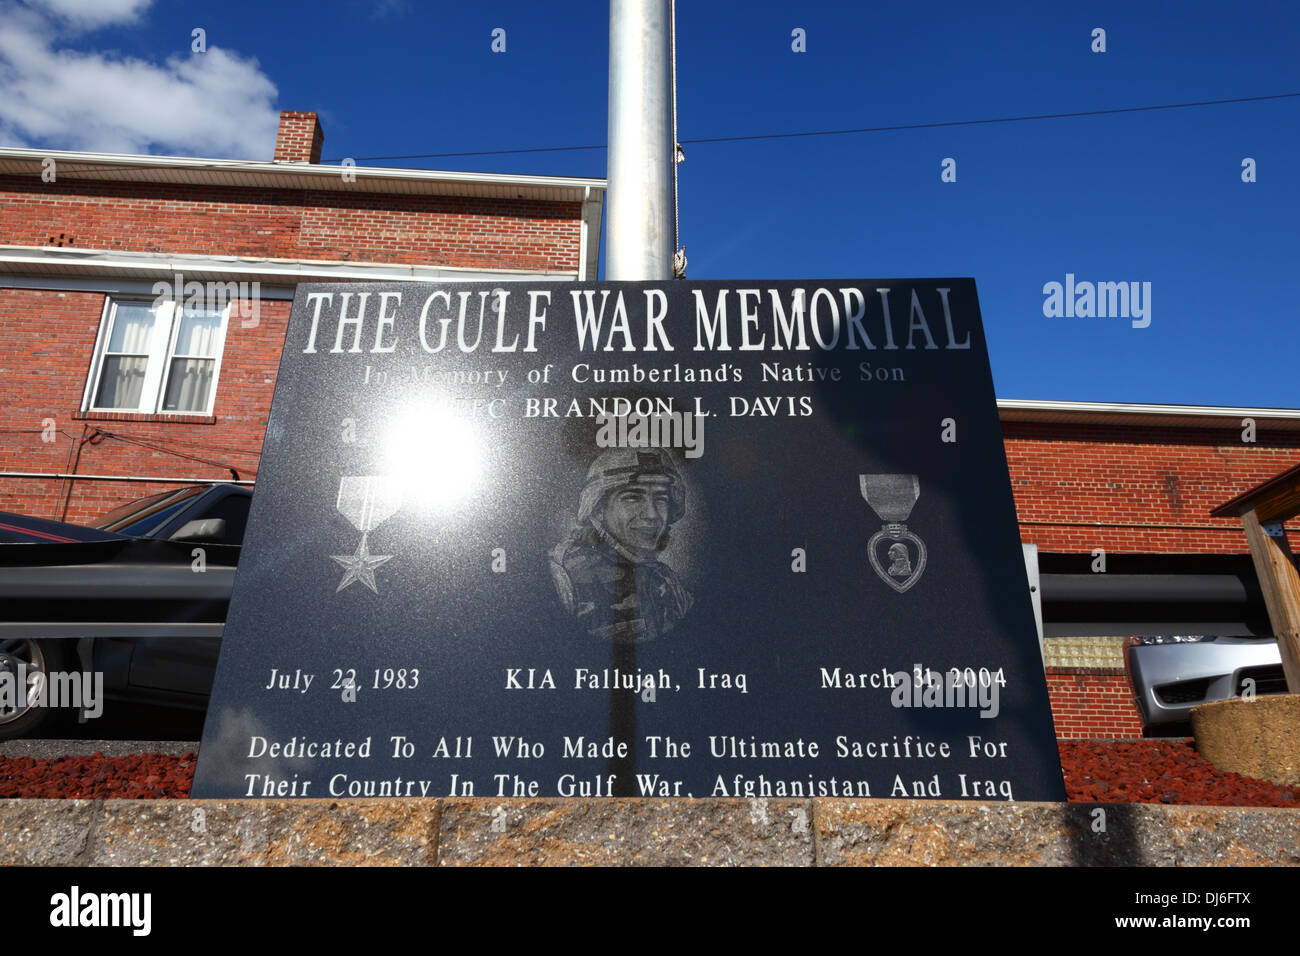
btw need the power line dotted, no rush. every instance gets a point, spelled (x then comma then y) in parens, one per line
(153, 446)
(1001, 119)
(87, 167)
(232, 449)
(861, 129)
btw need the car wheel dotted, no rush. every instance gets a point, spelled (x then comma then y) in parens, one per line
(32, 662)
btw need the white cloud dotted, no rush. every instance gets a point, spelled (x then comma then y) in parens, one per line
(93, 13)
(201, 104)
(389, 9)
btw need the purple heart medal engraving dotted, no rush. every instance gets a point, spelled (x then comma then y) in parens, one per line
(367, 501)
(892, 497)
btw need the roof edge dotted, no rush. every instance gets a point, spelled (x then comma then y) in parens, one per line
(329, 175)
(1125, 413)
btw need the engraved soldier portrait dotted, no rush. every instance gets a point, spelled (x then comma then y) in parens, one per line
(607, 570)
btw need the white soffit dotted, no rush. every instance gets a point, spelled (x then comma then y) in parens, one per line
(1144, 415)
(120, 167)
(39, 266)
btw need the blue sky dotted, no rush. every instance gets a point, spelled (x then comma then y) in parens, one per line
(1141, 197)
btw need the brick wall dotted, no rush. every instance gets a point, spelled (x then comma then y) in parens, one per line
(291, 224)
(47, 337)
(46, 342)
(1092, 702)
(1080, 487)
(1088, 688)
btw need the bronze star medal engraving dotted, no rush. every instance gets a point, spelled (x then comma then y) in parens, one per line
(892, 497)
(366, 501)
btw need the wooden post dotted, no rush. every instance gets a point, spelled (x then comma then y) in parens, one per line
(1263, 509)
(1280, 583)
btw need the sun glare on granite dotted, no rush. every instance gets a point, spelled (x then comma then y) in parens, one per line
(436, 458)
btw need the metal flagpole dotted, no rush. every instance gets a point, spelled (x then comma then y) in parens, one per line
(639, 236)
(639, 240)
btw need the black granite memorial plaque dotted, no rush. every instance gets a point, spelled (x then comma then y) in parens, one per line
(749, 538)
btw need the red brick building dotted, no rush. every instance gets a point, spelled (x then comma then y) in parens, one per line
(106, 396)
(1133, 486)
(97, 380)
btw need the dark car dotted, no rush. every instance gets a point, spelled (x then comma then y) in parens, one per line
(140, 596)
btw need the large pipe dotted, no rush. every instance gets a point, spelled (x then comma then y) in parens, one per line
(639, 228)
(1148, 588)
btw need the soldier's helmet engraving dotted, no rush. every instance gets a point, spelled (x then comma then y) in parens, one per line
(607, 570)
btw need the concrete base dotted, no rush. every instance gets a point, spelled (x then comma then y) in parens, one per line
(639, 832)
(1257, 738)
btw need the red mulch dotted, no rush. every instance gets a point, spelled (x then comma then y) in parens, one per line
(1096, 771)
(96, 777)
(1159, 771)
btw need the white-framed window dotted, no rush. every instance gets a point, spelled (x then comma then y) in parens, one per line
(156, 357)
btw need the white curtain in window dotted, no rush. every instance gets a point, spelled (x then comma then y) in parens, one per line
(188, 385)
(122, 377)
(198, 333)
(120, 382)
(132, 329)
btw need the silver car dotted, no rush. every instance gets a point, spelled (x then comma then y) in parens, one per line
(1171, 675)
